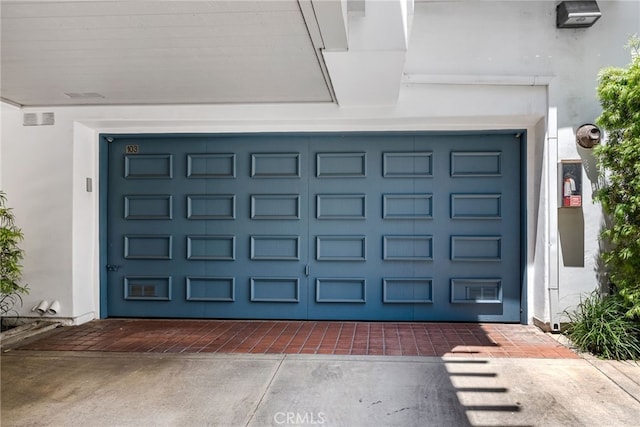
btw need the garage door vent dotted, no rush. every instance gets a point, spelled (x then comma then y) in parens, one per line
(142, 291)
(476, 291)
(482, 293)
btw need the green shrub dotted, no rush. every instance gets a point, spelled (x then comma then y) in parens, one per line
(599, 326)
(619, 162)
(10, 257)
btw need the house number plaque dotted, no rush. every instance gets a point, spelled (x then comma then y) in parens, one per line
(131, 149)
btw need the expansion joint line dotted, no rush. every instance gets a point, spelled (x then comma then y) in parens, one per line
(266, 390)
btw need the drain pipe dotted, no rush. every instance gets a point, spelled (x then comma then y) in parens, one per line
(54, 308)
(552, 264)
(43, 307)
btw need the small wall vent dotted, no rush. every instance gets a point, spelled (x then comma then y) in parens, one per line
(30, 119)
(83, 95)
(38, 119)
(48, 119)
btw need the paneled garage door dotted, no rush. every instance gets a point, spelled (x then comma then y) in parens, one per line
(330, 226)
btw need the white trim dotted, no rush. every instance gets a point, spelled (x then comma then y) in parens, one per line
(552, 269)
(470, 79)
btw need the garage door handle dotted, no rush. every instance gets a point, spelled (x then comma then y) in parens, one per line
(307, 270)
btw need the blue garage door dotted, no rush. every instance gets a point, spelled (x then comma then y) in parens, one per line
(332, 226)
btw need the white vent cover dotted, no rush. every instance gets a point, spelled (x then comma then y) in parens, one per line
(48, 119)
(83, 95)
(38, 119)
(30, 119)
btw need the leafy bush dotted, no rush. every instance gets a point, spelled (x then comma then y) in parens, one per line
(10, 257)
(609, 326)
(599, 326)
(619, 160)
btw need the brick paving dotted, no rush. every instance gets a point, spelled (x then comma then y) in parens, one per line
(304, 337)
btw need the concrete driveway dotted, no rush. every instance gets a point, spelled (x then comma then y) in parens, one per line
(133, 389)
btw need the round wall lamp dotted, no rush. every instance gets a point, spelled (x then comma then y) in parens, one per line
(588, 135)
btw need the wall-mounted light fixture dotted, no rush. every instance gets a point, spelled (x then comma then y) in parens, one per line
(588, 135)
(577, 14)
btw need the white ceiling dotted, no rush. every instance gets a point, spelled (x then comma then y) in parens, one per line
(160, 52)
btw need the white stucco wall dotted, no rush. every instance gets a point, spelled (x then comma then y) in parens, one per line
(36, 175)
(470, 65)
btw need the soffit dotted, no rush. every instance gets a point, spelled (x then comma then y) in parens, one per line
(158, 52)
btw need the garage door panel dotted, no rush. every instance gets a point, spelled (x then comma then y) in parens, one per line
(407, 248)
(148, 166)
(211, 248)
(341, 165)
(275, 289)
(275, 165)
(409, 164)
(341, 290)
(210, 288)
(275, 247)
(476, 164)
(148, 246)
(211, 165)
(342, 248)
(370, 227)
(275, 206)
(476, 248)
(341, 206)
(475, 206)
(211, 206)
(407, 206)
(148, 207)
(407, 290)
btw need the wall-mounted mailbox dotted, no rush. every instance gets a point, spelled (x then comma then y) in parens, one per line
(571, 187)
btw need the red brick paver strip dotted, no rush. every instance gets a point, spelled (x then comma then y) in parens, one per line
(304, 337)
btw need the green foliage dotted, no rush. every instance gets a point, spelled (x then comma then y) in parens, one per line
(599, 326)
(619, 159)
(10, 257)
